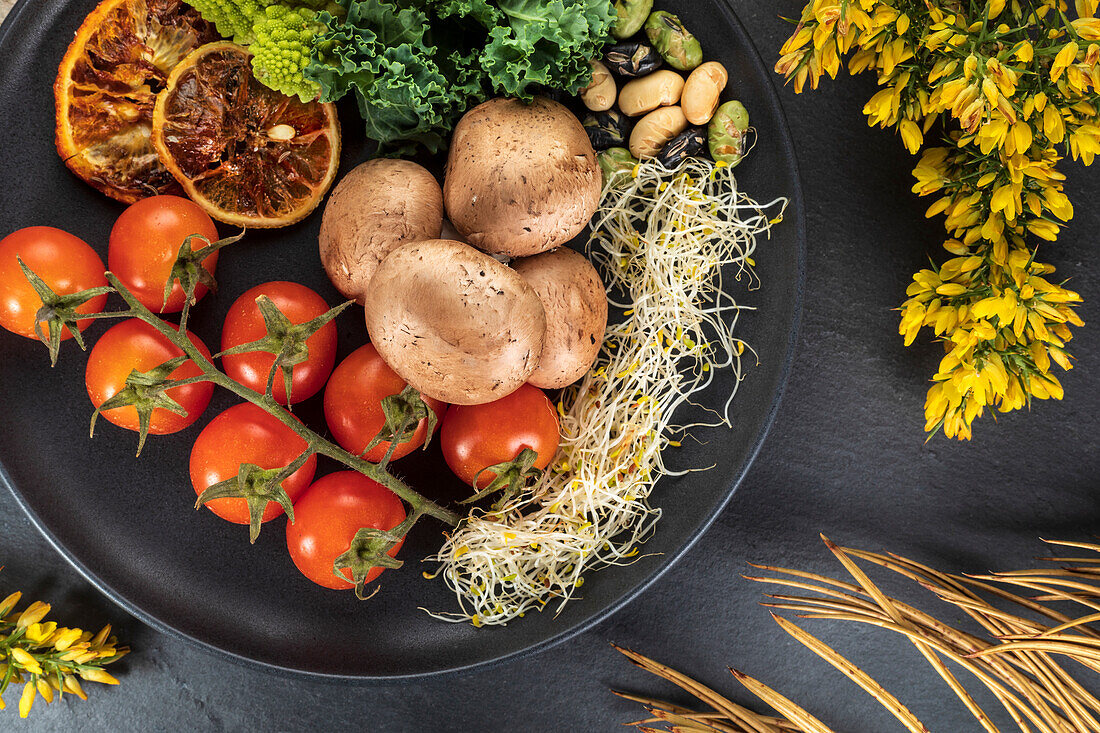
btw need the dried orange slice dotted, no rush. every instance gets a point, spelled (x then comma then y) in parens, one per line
(248, 155)
(106, 88)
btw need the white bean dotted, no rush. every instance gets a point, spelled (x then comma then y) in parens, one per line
(599, 95)
(653, 131)
(702, 91)
(659, 89)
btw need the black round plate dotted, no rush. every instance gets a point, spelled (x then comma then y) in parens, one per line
(127, 524)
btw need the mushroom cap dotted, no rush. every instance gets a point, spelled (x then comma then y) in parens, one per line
(575, 302)
(521, 178)
(378, 206)
(454, 323)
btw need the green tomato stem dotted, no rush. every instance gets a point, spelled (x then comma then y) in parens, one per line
(420, 504)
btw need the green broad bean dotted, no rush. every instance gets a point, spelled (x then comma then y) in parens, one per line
(630, 16)
(616, 163)
(726, 133)
(677, 46)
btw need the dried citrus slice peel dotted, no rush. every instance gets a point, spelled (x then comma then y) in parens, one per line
(106, 88)
(248, 155)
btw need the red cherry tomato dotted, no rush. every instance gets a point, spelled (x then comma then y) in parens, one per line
(144, 244)
(353, 404)
(244, 323)
(243, 434)
(135, 345)
(475, 437)
(327, 517)
(64, 262)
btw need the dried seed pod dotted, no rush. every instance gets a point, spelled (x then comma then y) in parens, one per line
(677, 46)
(688, 144)
(600, 93)
(630, 16)
(659, 89)
(632, 60)
(616, 164)
(655, 130)
(702, 91)
(607, 129)
(727, 133)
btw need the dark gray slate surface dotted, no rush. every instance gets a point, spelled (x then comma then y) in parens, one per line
(845, 457)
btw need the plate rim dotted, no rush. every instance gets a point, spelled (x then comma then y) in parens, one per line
(797, 203)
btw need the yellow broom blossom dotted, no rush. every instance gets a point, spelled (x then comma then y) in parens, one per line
(46, 659)
(1005, 90)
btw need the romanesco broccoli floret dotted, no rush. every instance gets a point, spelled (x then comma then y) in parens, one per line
(281, 50)
(232, 18)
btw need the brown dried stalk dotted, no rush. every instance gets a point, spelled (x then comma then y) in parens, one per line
(1017, 660)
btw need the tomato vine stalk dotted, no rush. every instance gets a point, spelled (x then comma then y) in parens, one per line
(146, 391)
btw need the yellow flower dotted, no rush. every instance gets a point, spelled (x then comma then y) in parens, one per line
(1003, 76)
(8, 603)
(72, 684)
(861, 61)
(1085, 143)
(26, 700)
(1058, 203)
(911, 135)
(33, 614)
(788, 63)
(911, 322)
(1065, 57)
(830, 61)
(1053, 125)
(1004, 200)
(880, 109)
(97, 675)
(66, 638)
(25, 660)
(1020, 139)
(1043, 229)
(798, 39)
(44, 690)
(1087, 28)
(992, 135)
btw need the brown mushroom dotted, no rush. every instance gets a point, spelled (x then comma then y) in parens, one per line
(521, 178)
(376, 208)
(455, 323)
(575, 302)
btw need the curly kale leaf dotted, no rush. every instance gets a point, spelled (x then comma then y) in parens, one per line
(546, 43)
(409, 92)
(416, 65)
(477, 10)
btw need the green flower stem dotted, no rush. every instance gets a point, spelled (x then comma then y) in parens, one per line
(420, 504)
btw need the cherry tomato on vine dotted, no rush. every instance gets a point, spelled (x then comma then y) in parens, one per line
(475, 437)
(145, 241)
(64, 262)
(244, 323)
(327, 518)
(136, 345)
(353, 404)
(243, 434)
